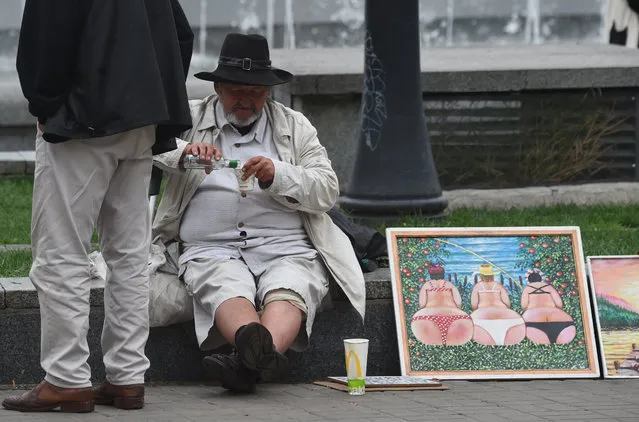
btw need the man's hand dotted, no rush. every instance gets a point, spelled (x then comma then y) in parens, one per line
(41, 126)
(262, 167)
(206, 152)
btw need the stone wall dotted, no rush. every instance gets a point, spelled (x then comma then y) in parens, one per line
(328, 85)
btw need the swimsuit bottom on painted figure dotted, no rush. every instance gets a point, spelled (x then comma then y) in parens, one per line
(443, 322)
(552, 329)
(497, 328)
(439, 289)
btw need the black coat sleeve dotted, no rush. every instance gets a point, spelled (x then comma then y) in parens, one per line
(47, 52)
(185, 35)
(634, 5)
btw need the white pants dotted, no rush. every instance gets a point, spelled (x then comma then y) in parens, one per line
(78, 185)
(213, 281)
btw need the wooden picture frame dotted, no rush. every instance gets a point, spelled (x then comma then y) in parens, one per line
(614, 281)
(513, 302)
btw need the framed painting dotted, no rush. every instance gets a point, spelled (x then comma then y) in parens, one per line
(491, 303)
(615, 283)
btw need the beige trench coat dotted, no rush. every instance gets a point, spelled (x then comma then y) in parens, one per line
(304, 181)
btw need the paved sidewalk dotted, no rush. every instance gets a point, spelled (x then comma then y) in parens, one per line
(521, 401)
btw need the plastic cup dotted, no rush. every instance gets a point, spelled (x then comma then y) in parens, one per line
(245, 185)
(356, 353)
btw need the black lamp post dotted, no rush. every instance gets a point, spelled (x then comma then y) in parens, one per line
(394, 171)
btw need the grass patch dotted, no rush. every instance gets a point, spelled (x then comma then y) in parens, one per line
(15, 263)
(15, 203)
(605, 229)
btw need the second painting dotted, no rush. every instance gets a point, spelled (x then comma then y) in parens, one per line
(615, 280)
(482, 303)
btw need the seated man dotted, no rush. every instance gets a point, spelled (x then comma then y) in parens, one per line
(271, 248)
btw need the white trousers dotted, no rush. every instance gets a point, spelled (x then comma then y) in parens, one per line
(80, 185)
(213, 281)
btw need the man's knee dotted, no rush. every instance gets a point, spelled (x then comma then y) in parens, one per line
(286, 295)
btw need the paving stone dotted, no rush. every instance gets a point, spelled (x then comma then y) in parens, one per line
(195, 402)
(618, 412)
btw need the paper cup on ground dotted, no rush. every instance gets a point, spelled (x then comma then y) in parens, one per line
(356, 352)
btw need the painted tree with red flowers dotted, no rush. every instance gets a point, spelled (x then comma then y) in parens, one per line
(415, 256)
(553, 256)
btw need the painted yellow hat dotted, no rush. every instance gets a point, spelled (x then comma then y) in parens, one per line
(486, 269)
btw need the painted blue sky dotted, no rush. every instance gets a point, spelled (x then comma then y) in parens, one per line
(500, 251)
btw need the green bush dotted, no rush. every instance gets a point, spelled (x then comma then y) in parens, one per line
(613, 316)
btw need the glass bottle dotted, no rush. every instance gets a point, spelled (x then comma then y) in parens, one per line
(193, 162)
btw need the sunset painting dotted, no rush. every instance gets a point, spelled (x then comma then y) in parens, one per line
(615, 281)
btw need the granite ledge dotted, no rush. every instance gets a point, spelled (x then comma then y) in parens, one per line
(20, 293)
(330, 71)
(333, 71)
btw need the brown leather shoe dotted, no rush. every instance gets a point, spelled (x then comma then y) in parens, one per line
(127, 397)
(46, 397)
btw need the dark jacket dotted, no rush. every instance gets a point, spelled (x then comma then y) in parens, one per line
(92, 68)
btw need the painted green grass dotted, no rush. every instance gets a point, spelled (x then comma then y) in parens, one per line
(525, 356)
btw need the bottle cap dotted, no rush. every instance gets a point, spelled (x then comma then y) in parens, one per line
(233, 164)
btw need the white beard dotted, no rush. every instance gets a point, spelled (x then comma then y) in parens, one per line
(230, 116)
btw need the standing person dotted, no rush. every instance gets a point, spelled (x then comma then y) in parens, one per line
(622, 22)
(106, 81)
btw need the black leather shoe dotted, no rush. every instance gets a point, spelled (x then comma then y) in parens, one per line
(273, 367)
(231, 372)
(255, 348)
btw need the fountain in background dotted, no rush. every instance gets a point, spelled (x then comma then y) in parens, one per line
(350, 16)
(450, 19)
(202, 29)
(532, 28)
(270, 20)
(289, 33)
(340, 23)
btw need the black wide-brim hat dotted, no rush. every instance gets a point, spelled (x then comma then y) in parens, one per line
(245, 60)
